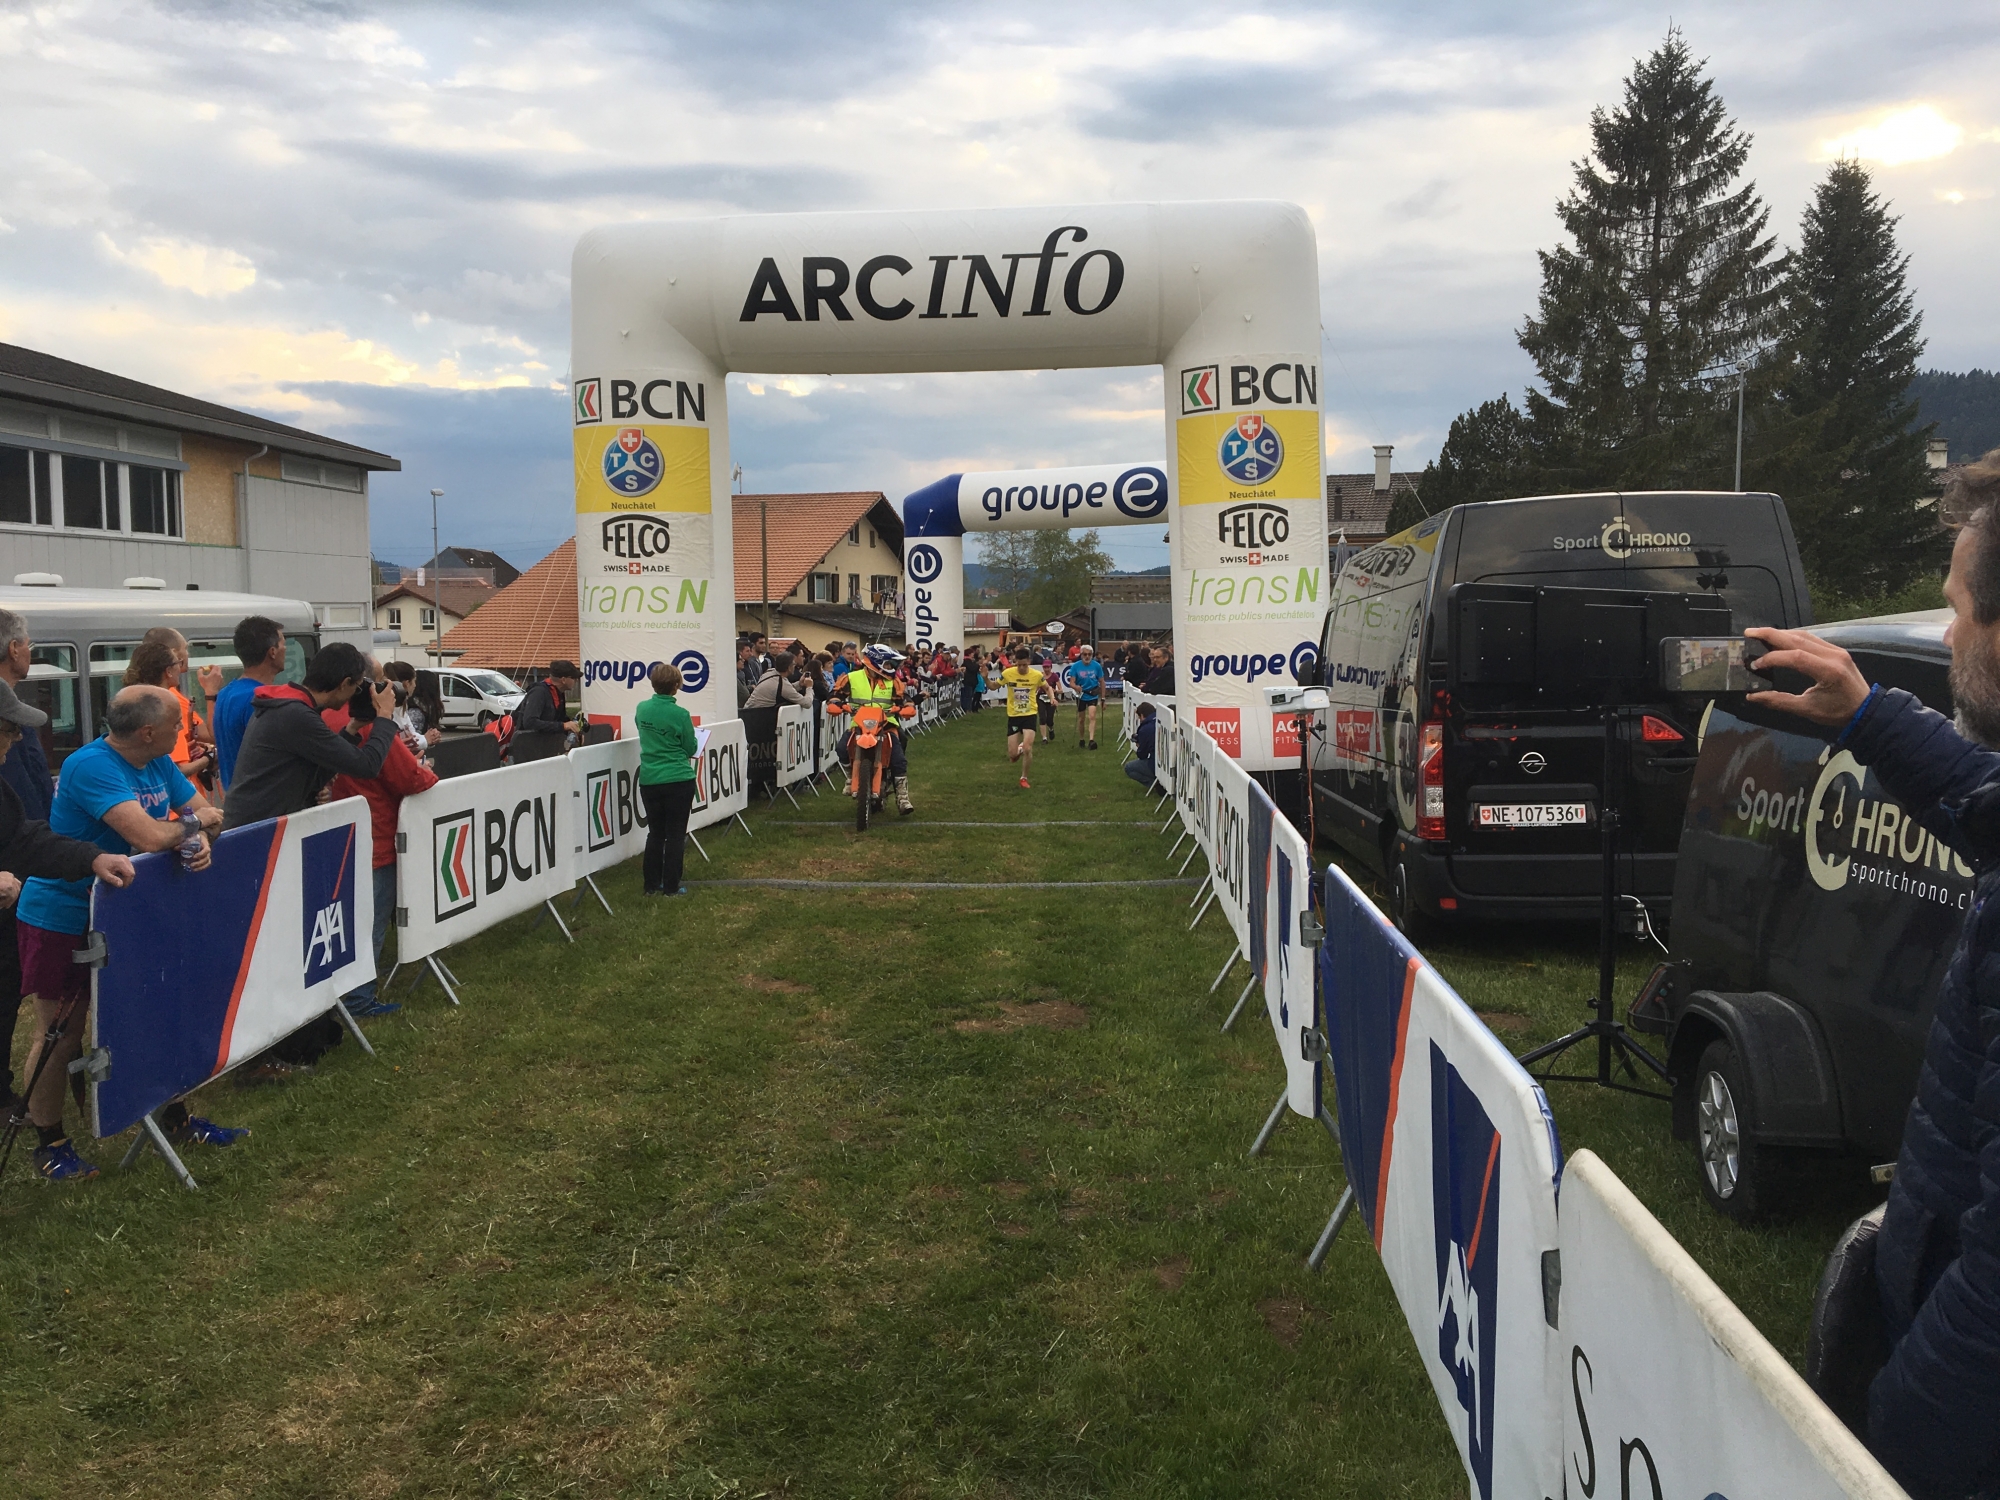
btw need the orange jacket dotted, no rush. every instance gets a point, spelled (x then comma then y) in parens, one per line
(402, 774)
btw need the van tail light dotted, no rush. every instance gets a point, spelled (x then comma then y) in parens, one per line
(1430, 783)
(1655, 731)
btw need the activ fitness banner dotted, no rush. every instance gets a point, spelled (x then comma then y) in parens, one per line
(205, 969)
(795, 743)
(475, 850)
(721, 780)
(1280, 898)
(1667, 1388)
(1452, 1154)
(610, 826)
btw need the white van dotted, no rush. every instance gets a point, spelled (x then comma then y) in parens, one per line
(475, 696)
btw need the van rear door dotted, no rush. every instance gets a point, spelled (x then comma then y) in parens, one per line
(1526, 782)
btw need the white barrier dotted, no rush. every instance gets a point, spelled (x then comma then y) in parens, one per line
(1667, 1388)
(829, 743)
(475, 850)
(795, 743)
(1280, 900)
(611, 825)
(721, 787)
(1229, 790)
(1166, 754)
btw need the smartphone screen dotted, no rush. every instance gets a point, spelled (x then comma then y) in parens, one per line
(1709, 664)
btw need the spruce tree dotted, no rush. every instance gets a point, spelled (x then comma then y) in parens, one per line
(1485, 456)
(1851, 467)
(1667, 282)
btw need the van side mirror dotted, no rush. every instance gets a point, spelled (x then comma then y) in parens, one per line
(1307, 673)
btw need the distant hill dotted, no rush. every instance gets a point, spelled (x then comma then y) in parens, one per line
(1966, 408)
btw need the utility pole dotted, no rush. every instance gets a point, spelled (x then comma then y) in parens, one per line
(1742, 370)
(437, 588)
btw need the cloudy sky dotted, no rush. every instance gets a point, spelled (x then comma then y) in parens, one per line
(359, 217)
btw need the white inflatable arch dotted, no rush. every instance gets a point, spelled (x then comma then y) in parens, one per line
(1224, 296)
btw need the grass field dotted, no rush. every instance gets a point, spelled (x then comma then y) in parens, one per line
(791, 1192)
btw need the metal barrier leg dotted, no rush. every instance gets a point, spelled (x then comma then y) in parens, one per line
(744, 826)
(1340, 1212)
(1332, 1125)
(698, 849)
(150, 1134)
(1203, 912)
(550, 908)
(1177, 844)
(347, 1019)
(592, 883)
(1233, 956)
(1270, 1125)
(444, 984)
(1188, 861)
(1197, 892)
(1241, 1001)
(1170, 816)
(790, 798)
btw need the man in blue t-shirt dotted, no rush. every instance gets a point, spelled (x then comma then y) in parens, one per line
(124, 794)
(1085, 677)
(260, 646)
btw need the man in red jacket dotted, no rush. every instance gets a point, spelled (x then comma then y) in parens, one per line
(401, 774)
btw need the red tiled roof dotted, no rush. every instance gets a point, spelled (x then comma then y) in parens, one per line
(529, 623)
(455, 596)
(1355, 506)
(803, 529)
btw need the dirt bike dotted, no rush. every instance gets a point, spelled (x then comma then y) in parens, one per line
(869, 753)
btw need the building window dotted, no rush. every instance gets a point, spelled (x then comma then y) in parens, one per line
(428, 619)
(87, 502)
(823, 588)
(880, 584)
(316, 471)
(871, 536)
(156, 500)
(395, 618)
(854, 534)
(854, 589)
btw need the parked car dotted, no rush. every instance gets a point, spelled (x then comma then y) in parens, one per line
(1813, 921)
(474, 697)
(1492, 812)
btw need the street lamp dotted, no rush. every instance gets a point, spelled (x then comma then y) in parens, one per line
(1742, 370)
(437, 588)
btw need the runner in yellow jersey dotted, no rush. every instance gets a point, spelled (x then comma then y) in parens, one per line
(1022, 684)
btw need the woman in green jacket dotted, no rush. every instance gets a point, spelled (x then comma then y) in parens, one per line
(666, 780)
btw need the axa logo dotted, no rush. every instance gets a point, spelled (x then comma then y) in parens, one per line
(328, 871)
(1257, 524)
(1465, 1214)
(452, 863)
(882, 287)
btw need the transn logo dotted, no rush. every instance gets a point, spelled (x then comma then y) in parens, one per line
(1201, 390)
(453, 862)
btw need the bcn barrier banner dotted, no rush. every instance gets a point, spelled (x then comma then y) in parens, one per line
(475, 850)
(1280, 898)
(611, 817)
(829, 742)
(286, 910)
(721, 782)
(1166, 746)
(1666, 1387)
(1452, 1154)
(795, 743)
(1229, 790)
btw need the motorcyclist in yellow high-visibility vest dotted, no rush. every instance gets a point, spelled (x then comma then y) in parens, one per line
(876, 684)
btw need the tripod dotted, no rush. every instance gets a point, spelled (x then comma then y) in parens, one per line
(1603, 1026)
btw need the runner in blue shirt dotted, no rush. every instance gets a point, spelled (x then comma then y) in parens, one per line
(260, 646)
(1086, 679)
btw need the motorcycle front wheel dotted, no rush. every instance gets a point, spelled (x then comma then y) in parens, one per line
(863, 794)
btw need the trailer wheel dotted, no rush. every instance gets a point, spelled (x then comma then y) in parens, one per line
(1732, 1165)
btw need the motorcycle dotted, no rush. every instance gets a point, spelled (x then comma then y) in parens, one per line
(869, 752)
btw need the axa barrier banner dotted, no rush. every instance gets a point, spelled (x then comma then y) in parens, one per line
(610, 825)
(721, 781)
(205, 969)
(1280, 897)
(1452, 1154)
(795, 743)
(475, 850)
(1666, 1387)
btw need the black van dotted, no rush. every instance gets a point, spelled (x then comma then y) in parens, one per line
(1813, 922)
(1493, 814)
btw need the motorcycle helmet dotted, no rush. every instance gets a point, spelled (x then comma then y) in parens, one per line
(882, 659)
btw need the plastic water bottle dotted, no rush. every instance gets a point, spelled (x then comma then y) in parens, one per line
(190, 846)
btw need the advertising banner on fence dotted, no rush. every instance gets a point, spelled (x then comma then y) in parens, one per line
(1280, 896)
(721, 782)
(1230, 790)
(795, 743)
(1453, 1158)
(1667, 1389)
(611, 818)
(478, 849)
(205, 969)
(1166, 748)
(829, 741)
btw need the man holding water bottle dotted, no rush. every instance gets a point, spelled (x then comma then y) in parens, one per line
(124, 794)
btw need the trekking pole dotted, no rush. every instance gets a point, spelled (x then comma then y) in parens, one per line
(58, 1029)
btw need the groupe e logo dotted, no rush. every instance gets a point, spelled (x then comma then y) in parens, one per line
(924, 562)
(825, 281)
(694, 670)
(1140, 493)
(1252, 665)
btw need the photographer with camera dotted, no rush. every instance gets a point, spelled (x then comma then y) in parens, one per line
(1934, 1407)
(288, 751)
